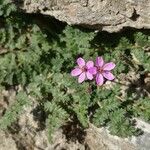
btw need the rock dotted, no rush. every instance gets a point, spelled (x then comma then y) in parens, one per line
(142, 142)
(99, 138)
(60, 142)
(7, 142)
(32, 136)
(105, 15)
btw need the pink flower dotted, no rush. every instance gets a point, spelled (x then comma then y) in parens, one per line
(103, 70)
(84, 70)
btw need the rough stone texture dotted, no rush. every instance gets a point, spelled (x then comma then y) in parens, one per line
(6, 142)
(6, 99)
(99, 138)
(108, 15)
(31, 136)
(142, 142)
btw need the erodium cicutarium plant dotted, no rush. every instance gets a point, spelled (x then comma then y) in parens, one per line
(84, 70)
(101, 71)
(104, 71)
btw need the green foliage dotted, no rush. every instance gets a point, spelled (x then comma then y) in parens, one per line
(142, 108)
(6, 7)
(120, 124)
(139, 52)
(141, 58)
(15, 110)
(142, 40)
(76, 42)
(56, 117)
(111, 114)
(40, 60)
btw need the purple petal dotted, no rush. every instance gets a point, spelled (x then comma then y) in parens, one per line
(90, 64)
(108, 75)
(93, 70)
(80, 62)
(81, 77)
(109, 66)
(89, 75)
(76, 72)
(99, 61)
(99, 79)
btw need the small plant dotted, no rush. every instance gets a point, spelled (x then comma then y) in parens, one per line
(88, 70)
(6, 8)
(40, 61)
(103, 71)
(84, 70)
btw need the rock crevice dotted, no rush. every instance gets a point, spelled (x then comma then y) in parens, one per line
(105, 15)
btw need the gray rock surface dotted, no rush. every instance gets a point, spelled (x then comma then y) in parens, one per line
(142, 142)
(108, 15)
(7, 142)
(99, 138)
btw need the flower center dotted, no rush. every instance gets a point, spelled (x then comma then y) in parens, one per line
(84, 69)
(100, 69)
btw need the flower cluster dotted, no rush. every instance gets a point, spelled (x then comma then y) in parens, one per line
(100, 71)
